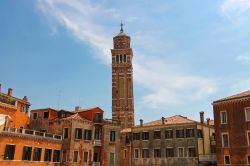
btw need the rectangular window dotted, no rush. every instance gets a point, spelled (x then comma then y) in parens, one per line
(181, 152)
(46, 115)
(157, 153)
(27, 151)
(189, 133)
(65, 133)
(97, 134)
(248, 138)
(247, 114)
(145, 135)
(170, 152)
(225, 140)
(112, 159)
(75, 156)
(136, 136)
(223, 117)
(87, 134)
(169, 134)
(136, 153)
(37, 154)
(145, 153)
(47, 155)
(227, 160)
(64, 156)
(157, 134)
(78, 133)
(9, 152)
(180, 133)
(56, 156)
(191, 152)
(112, 136)
(199, 133)
(98, 118)
(85, 158)
(34, 115)
(125, 153)
(248, 160)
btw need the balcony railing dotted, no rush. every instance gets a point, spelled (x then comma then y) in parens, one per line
(96, 164)
(211, 157)
(97, 143)
(31, 133)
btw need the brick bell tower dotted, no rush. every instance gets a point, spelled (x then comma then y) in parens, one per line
(122, 80)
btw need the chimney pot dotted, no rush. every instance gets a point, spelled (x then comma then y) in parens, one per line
(208, 121)
(202, 117)
(163, 120)
(10, 92)
(25, 98)
(141, 122)
(0, 88)
(77, 108)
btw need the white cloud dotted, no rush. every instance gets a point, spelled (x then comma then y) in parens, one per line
(164, 84)
(235, 6)
(244, 58)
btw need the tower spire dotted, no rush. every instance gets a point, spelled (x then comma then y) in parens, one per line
(121, 30)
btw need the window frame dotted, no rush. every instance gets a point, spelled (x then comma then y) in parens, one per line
(59, 156)
(143, 155)
(136, 149)
(155, 136)
(143, 137)
(33, 115)
(167, 153)
(191, 135)
(180, 130)
(64, 133)
(75, 151)
(33, 153)
(222, 140)
(247, 108)
(158, 156)
(171, 130)
(76, 135)
(225, 160)
(44, 114)
(45, 154)
(192, 147)
(30, 157)
(182, 152)
(13, 157)
(84, 155)
(113, 158)
(221, 119)
(112, 136)
(248, 140)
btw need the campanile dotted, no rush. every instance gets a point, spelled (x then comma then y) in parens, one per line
(122, 80)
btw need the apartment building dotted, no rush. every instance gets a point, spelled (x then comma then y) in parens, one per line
(232, 125)
(174, 140)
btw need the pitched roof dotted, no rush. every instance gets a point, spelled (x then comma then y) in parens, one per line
(236, 96)
(177, 119)
(88, 109)
(43, 109)
(76, 116)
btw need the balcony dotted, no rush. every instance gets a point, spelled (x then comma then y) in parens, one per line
(205, 158)
(25, 132)
(97, 142)
(96, 163)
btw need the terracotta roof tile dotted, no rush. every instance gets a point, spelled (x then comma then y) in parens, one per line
(126, 130)
(76, 116)
(236, 96)
(177, 119)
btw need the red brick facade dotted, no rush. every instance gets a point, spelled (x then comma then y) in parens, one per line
(122, 81)
(235, 126)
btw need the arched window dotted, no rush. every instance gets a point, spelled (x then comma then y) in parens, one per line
(120, 58)
(117, 58)
(125, 58)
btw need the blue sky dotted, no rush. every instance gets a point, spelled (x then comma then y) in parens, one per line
(186, 53)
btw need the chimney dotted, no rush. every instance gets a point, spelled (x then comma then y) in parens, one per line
(163, 120)
(77, 108)
(202, 117)
(25, 98)
(141, 122)
(208, 121)
(10, 92)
